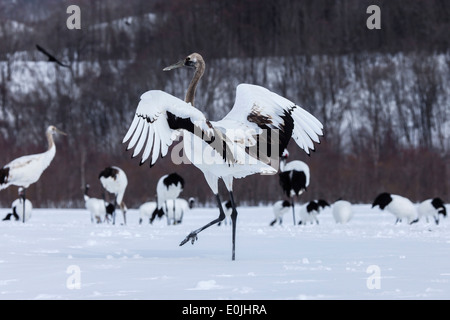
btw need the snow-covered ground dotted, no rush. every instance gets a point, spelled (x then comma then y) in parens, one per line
(59, 254)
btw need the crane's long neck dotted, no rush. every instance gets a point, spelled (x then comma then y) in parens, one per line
(50, 141)
(282, 164)
(47, 156)
(190, 94)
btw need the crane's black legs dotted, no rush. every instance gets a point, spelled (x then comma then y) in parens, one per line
(293, 209)
(233, 224)
(123, 208)
(173, 211)
(23, 199)
(167, 212)
(193, 235)
(114, 213)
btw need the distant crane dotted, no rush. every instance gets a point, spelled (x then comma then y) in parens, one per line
(181, 206)
(99, 208)
(342, 211)
(169, 187)
(146, 210)
(17, 207)
(310, 211)
(114, 180)
(399, 206)
(26, 170)
(432, 207)
(219, 149)
(279, 209)
(294, 178)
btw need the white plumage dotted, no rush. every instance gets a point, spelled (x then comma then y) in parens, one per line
(400, 207)
(26, 170)
(432, 208)
(296, 184)
(294, 178)
(279, 209)
(17, 208)
(176, 209)
(342, 211)
(115, 181)
(146, 210)
(169, 187)
(98, 208)
(219, 149)
(310, 211)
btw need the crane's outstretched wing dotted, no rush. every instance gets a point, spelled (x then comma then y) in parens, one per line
(158, 119)
(257, 109)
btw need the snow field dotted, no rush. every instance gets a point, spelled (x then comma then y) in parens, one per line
(59, 254)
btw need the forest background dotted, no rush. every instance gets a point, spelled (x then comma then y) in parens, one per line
(383, 95)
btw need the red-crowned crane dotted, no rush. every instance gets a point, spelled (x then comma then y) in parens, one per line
(342, 211)
(279, 209)
(168, 188)
(222, 149)
(310, 211)
(399, 206)
(294, 178)
(432, 208)
(115, 181)
(177, 208)
(146, 210)
(26, 170)
(100, 209)
(18, 208)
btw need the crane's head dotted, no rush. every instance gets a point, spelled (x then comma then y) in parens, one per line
(194, 60)
(21, 192)
(382, 200)
(54, 130)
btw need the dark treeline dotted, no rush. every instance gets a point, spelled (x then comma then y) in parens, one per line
(383, 95)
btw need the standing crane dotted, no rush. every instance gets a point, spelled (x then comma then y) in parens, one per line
(219, 149)
(26, 170)
(114, 180)
(98, 208)
(294, 178)
(17, 207)
(169, 187)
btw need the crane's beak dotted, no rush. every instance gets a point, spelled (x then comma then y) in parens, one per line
(179, 64)
(60, 132)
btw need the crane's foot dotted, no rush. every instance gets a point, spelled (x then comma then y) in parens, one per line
(192, 237)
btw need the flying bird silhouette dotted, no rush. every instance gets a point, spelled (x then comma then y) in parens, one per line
(51, 58)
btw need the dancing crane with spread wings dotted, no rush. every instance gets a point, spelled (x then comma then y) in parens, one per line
(260, 124)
